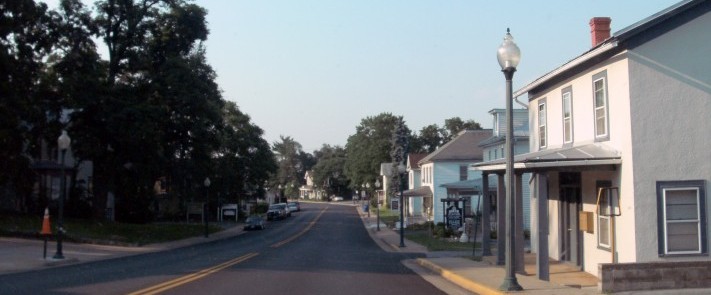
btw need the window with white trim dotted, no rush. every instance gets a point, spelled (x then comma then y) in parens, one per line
(605, 213)
(600, 104)
(542, 123)
(681, 217)
(567, 115)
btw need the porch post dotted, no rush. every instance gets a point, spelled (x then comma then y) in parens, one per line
(518, 192)
(500, 220)
(541, 191)
(486, 210)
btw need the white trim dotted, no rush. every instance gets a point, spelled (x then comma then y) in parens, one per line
(550, 164)
(697, 220)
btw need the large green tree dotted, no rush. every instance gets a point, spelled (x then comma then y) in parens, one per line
(244, 161)
(369, 147)
(454, 125)
(328, 171)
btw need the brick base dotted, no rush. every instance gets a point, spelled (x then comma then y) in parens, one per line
(620, 277)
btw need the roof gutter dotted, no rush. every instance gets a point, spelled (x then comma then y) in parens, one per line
(550, 164)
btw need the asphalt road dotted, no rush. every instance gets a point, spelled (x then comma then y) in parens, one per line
(324, 249)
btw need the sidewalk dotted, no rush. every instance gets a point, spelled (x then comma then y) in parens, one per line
(482, 277)
(24, 254)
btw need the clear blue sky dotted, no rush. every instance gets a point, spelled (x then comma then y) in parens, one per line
(313, 69)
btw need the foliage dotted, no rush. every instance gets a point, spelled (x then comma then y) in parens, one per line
(369, 147)
(290, 168)
(454, 125)
(398, 155)
(328, 171)
(152, 110)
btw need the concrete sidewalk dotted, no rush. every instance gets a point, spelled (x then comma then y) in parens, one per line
(482, 277)
(485, 277)
(25, 254)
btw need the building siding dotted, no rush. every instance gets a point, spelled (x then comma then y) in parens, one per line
(671, 123)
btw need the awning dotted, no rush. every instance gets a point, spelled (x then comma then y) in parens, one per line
(468, 187)
(584, 155)
(422, 191)
(469, 184)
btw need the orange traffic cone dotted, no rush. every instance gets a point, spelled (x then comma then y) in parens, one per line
(46, 229)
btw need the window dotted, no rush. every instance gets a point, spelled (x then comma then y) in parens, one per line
(542, 123)
(567, 115)
(463, 172)
(605, 212)
(601, 110)
(681, 217)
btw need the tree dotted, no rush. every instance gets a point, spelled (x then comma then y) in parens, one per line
(454, 125)
(369, 147)
(328, 171)
(398, 155)
(160, 95)
(288, 152)
(244, 161)
(25, 41)
(429, 139)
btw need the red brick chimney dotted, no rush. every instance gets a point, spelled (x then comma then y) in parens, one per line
(599, 29)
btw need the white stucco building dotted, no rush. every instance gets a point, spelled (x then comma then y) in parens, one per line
(621, 153)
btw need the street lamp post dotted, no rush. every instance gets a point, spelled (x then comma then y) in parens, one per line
(367, 187)
(63, 143)
(509, 56)
(207, 204)
(401, 169)
(377, 203)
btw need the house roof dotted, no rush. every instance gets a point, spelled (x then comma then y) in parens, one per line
(616, 43)
(584, 155)
(464, 147)
(413, 159)
(418, 192)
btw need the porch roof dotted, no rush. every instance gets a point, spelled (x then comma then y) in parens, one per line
(469, 184)
(577, 156)
(418, 192)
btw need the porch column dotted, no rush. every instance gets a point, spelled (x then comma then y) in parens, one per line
(518, 192)
(486, 210)
(500, 220)
(541, 192)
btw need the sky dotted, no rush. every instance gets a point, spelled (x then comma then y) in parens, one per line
(313, 69)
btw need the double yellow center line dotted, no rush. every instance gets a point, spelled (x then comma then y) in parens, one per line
(296, 236)
(192, 277)
(208, 271)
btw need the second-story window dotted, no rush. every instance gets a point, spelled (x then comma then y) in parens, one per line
(463, 172)
(542, 123)
(601, 109)
(567, 115)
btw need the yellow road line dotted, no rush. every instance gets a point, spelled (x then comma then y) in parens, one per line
(192, 277)
(294, 237)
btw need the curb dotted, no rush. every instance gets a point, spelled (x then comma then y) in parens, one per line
(457, 279)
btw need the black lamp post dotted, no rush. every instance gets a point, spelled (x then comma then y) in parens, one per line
(63, 143)
(207, 204)
(401, 169)
(509, 56)
(377, 204)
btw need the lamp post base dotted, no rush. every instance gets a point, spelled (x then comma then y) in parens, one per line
(510, 284)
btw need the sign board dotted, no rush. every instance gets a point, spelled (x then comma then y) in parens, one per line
(454, 218)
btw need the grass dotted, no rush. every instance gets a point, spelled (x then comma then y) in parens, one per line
(100, 232)
(424, 238)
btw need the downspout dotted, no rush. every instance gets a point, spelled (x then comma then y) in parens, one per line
(525, 106)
